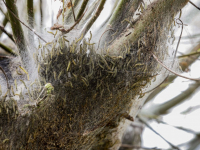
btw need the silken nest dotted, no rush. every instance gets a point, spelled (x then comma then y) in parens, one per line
(83, 95)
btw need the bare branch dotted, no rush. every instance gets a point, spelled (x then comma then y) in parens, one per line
(73, 11)
(139, 147)
(163, 108)
(148, 126)
(156, 58)
(64, 31)
(24, 23)
(8, 34)
(93, 19)
(83, 6)
(7, 49)
(194, 5)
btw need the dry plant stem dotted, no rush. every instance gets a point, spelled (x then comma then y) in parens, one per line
(188, 55)
(148, 126)
(73, 11)
(83, 6)
(8, 34)
(7, 49)
(156, 58)
(194, 5)
(15, 21)
(93, 19)
(178, 41)
(180, 128)
(68, 12)
(64, 31)
(184, 63)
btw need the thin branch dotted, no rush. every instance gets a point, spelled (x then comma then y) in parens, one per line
(93, 19)
(147, 125)
(23, 23)
(83, 6)
(156, 58)
(188, 55)
(194, 5)
(180, 128)
(163, 108)
(174, 56)
(8, 34)
(7, 49)
(64, 31)
(178, 41)
(139, 147)
(73, 11)
(184, 64)
(68, 12)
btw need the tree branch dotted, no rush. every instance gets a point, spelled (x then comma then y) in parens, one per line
(148, 126)
(194, 5)
(93, 19)
(8, 34)
(81, 10)
(7, 49)
(163, 108)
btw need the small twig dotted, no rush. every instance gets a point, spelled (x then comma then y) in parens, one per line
(156, 58)
(180, 128)
(81, 10)
(73, 11)
(68, 30)
(139, 147)
(178, 41)
(8, 34)
(191, 54)
(7, 49)
(194, 5)
(102, 35)
(94, 17)
(24, 23)
(147, 125)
